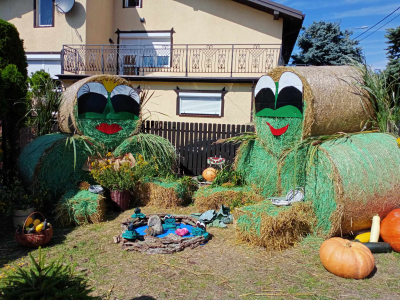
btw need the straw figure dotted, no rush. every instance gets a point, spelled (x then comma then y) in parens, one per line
(312, 134)
(98, 114)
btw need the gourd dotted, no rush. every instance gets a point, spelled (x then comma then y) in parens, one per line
(390, 229)
(36, 222)
(376, 224)
(378, 247)
(363, 237)
(346, 259)
(209, 174)
(29, 221)
(39, 228)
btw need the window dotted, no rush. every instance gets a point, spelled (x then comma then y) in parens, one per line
(44, 13)
(201, 103)
(132, 3)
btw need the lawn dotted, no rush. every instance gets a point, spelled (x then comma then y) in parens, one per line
(221, 269)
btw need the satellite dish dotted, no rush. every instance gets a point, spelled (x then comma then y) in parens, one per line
(65, 6)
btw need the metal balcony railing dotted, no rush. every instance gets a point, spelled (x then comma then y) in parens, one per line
(182, 60)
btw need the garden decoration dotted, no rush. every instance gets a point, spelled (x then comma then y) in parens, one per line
(209, 174)
(138, 214)
(346, 259)
(216, 161)
(312, 132)
(99, 114)
(169, 241)
(390, 229)
(169, 222)
(35, 232)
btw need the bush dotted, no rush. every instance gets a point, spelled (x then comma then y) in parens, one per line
(55, 280)
(228, 177)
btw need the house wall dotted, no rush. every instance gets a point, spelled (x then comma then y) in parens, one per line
(68, 28)
(202, 21)
(99, 23)
(162, 106)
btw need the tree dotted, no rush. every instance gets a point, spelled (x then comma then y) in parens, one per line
(324, 44)
(393, 54)
(13, 106)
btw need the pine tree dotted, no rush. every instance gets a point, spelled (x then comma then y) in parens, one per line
(393, 54)
(324, 44)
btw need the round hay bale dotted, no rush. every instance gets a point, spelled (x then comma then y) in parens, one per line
(333, 101)
(55, 162)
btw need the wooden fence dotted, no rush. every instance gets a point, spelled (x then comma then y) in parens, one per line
(194, 142)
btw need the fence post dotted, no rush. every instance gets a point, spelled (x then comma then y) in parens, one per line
(187, 54)
(233, 46)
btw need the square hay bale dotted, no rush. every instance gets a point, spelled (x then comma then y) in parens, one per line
(80, 207)
(207, 198)
(274, 227)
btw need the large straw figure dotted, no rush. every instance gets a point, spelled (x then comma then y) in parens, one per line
(98, 114)
(298, 113)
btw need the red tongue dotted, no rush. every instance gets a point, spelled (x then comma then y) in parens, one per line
(109, 129)
(278, 132)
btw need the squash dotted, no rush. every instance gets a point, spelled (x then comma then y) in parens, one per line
(375, 228)
(390, 229)
(378, 247)
(363, 237)
(346, 259)
(39, 228)
(36, 222)
(29, 221)
(209, 174)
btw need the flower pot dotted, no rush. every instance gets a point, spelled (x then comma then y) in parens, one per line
(120, 200)
(21, 215)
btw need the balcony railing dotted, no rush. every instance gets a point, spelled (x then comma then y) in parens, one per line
(182, 60)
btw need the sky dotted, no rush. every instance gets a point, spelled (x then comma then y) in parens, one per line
(354, 13)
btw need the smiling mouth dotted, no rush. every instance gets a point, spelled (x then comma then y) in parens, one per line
(108, 129)
(278, 132)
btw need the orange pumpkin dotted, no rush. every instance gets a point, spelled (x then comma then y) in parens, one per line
(390, 229)
(209, 174)
(346, 259)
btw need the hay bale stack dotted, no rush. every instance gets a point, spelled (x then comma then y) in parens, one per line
(80, 207)
(162, 193)
(273, 227)
(207, 198)
(333, 101)
(68, 109)
(55, 162)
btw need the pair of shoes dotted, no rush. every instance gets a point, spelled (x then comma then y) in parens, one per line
(96, 189)
(291, 197)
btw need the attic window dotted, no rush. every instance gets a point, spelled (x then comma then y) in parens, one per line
(132, 3)
(44, 13)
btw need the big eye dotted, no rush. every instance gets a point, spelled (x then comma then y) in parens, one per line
(198, 223)
(202, 226)
(290, 92)
(92, 98)
(264, 94)
(125, 99)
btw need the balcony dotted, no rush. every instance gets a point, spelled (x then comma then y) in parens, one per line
(171, 60)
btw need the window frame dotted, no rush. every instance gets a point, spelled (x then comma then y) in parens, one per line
(178, 102)
(35, 15)
(138, 6)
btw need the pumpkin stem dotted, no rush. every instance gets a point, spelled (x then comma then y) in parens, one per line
(348, 244)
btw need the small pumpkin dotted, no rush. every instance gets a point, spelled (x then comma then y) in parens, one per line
(346, 259)
(209, 174)
(390, 229)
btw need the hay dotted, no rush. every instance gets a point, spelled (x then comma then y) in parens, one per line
(162, 193)
(207, 198)
(55, 162)
(80, 207)
(272, 227)
(334, 103)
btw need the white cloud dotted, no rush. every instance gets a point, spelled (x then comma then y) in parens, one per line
(366, 11)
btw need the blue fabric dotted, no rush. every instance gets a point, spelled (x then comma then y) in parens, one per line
(140, 230)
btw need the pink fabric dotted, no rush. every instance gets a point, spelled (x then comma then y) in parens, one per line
(182, 232)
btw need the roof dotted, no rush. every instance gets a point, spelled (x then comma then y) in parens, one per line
(292, 22)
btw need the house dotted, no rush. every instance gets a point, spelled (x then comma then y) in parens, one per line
(202, 58)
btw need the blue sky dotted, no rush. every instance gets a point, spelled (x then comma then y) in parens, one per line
(354, 13)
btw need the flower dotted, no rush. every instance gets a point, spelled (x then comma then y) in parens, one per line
(398, 141)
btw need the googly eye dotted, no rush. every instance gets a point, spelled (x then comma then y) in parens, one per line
(202, 226)
(198, 223)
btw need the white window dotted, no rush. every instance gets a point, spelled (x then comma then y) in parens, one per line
(200, 104)
(50, 63)
(44, 13)
(132, 3)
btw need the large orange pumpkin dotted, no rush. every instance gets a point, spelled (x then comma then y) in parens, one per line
(209, 174)
(390, 229)
(346, 259)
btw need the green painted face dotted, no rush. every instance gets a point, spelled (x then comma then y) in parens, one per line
(107, 112)
(279, 110)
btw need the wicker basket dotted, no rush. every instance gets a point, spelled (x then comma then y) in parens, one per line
(34, 239)
(120, 200)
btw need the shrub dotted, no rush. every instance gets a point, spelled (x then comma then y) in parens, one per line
(228, 177)
(55, 280)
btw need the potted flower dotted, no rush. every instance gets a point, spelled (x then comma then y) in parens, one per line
(16, 202)
(117, 175)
